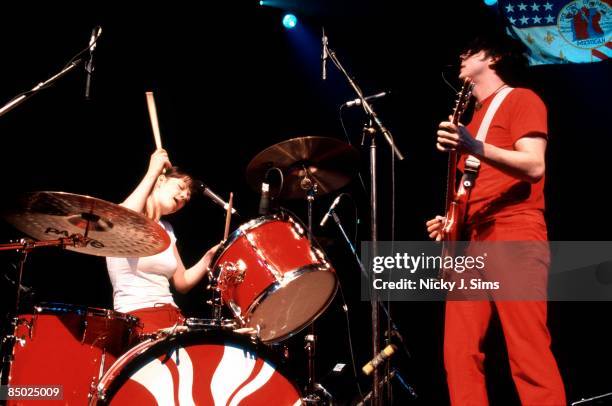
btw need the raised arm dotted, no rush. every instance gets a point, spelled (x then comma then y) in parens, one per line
(138, 198)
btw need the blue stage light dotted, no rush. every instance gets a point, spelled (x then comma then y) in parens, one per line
(290, 21)
(490, 2)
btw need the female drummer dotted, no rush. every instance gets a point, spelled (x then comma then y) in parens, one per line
(141, 286)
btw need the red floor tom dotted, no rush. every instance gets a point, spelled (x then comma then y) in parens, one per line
(273, 278)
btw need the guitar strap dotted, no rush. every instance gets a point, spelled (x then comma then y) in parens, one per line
(472, 164)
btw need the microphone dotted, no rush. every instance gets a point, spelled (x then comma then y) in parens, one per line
(264, 202)
(331, 209)
(357, 102)
(378, 359)
(324, 56)
(214, 197)
(89, 67)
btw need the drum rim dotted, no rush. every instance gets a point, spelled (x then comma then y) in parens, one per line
(242, 230)
(211, 323)
(293, 275)
(82, 310)
(115, 376)
(282, 215)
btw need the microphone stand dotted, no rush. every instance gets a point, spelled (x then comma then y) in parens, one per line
(17, 100)
(73, 63)
(394, 328)
(373, 198)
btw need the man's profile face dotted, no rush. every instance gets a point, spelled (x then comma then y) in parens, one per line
(474, 63)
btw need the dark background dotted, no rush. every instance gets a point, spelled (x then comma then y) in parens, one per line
(229, 81)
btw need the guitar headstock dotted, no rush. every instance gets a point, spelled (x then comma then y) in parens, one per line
(463, 99)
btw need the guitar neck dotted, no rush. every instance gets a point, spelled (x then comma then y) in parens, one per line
(451, 180)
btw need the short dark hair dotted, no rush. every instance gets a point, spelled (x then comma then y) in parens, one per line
(176, 172)
(511, 53)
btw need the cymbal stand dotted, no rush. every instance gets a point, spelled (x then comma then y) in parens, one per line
(315, 393)
(24, 246)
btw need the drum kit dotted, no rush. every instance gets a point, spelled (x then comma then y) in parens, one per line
(270, 276)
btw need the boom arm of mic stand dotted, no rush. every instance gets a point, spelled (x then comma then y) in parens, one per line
(366, 106)
(42, 85)
(365, 273)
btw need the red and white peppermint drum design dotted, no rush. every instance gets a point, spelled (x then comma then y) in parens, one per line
(68, 345)
(273, 278)
(196, 368)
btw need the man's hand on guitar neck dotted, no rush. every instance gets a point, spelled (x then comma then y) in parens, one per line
(455, 137)
(434, 227)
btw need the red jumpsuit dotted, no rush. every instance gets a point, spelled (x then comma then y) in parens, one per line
(503, 208)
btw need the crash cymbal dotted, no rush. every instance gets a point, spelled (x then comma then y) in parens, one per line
(328, 162)
(111, 230)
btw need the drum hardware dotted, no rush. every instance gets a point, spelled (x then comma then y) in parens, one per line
(595, 400)
(232, 274)
(310, 166)
(314, 389)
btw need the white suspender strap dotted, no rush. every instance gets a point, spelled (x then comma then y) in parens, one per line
(483, 130)
(472, 164)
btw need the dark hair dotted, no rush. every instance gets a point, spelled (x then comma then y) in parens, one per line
(512, 63)
(176, 172)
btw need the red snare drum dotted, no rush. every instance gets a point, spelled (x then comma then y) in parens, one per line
(67, 345)
(272, 278)
(202, 367)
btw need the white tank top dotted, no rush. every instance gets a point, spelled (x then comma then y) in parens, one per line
(143, 282)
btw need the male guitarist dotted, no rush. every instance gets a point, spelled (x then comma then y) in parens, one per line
(506, 203)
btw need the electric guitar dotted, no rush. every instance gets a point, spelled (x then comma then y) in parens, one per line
(456, 196)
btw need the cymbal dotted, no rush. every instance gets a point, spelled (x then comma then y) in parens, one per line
(328, 162)
(111, 230)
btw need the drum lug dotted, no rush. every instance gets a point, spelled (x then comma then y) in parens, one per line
(30, 326)
(231, 274)
(237, 311)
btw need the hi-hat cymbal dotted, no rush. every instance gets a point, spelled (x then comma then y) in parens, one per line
(327, 162)
(111, 230)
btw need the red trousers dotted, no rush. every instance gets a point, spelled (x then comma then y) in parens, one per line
(158, 317)
(533, 366)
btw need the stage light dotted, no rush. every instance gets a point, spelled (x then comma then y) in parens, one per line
(261, 2)
(290, 21)
(490, 2)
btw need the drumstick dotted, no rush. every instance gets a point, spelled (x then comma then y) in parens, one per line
(154, 121)
(228, 216)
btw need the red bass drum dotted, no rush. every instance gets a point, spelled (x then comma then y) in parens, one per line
(212, 367)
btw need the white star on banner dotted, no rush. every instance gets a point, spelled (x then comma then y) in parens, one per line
(535, 7)
(548, 6)
(550, 19)
(509, 8)
(512, 20)
(522, 7)
(536, 20)
(524, 20)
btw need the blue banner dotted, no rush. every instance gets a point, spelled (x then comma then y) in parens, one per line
(561, 31)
